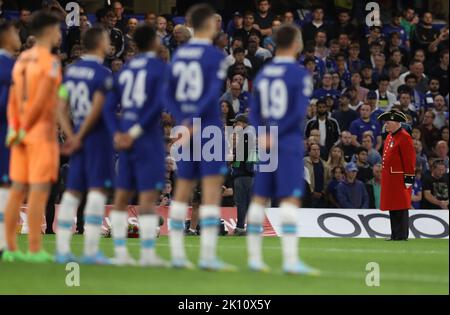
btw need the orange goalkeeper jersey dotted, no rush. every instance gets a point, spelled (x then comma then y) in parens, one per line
(33, 96)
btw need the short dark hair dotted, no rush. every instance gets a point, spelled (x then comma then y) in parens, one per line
(92, 37)
(238, 50)
(411, 76)
(144, 36)
(199, 14)
(361, 149)
(286, 35)
(383, 77)
(41, 20)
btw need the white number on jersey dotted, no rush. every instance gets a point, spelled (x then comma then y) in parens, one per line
(273, 97)
(308, 86)
(80, 103)
(190, 83)
(134, 88)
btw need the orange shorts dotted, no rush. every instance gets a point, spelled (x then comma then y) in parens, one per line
(34, 163)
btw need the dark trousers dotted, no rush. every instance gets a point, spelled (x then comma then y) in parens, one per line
(399, 224)
(242, 196)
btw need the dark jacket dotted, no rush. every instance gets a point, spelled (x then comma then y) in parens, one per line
(352, 196)
(333, 131)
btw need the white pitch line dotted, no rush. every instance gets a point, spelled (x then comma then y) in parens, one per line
(426, 278)
(332, 249)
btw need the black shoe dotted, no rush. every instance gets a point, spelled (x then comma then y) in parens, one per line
(240, 232)
(1, 253)
(189, 232)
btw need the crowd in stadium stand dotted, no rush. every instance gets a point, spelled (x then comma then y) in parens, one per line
(358, 72)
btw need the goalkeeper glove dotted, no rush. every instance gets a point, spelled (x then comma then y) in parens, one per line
(15, 134)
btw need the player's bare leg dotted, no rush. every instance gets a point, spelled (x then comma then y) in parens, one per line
(94, 211)
(12, 213)
(4, 192)
(37, 201)
(289, 240)
(148, 224)
(177, 215)
(209, 223)
(119, 227)
(66, 214)
(255, 219)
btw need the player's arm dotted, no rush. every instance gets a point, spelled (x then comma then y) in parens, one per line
(98, 101)
(13, 117)
(149, 111)
(63, 111)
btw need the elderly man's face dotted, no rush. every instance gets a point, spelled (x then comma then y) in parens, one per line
(442, 149)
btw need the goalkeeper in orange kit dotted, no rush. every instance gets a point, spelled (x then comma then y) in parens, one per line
(32, 135)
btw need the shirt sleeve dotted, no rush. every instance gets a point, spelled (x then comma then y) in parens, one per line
(408, 155)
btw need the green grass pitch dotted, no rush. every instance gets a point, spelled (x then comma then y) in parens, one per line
(419, 266)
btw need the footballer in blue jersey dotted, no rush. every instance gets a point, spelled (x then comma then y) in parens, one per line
(91, 167)
(194, 81)
(138, 137)
(9, 44)
(282, 91)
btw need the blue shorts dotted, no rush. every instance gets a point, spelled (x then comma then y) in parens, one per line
(192, 170)
(92, 166)
(142, 168)
(286, 181)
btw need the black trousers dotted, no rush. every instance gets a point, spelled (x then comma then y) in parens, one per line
(399, 224)
(242, 196)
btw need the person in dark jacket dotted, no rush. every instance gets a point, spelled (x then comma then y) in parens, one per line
(242, 170)
(351, 193)
(328, 126)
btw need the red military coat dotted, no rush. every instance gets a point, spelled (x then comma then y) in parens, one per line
(399, 159)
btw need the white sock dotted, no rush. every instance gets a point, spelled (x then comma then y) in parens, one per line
(177, 217)
(93, 219)
(147, 232)
(209, 223)
(66, 216)
(289, 240)
(119, 229)
(3, 201)
(255, 220)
